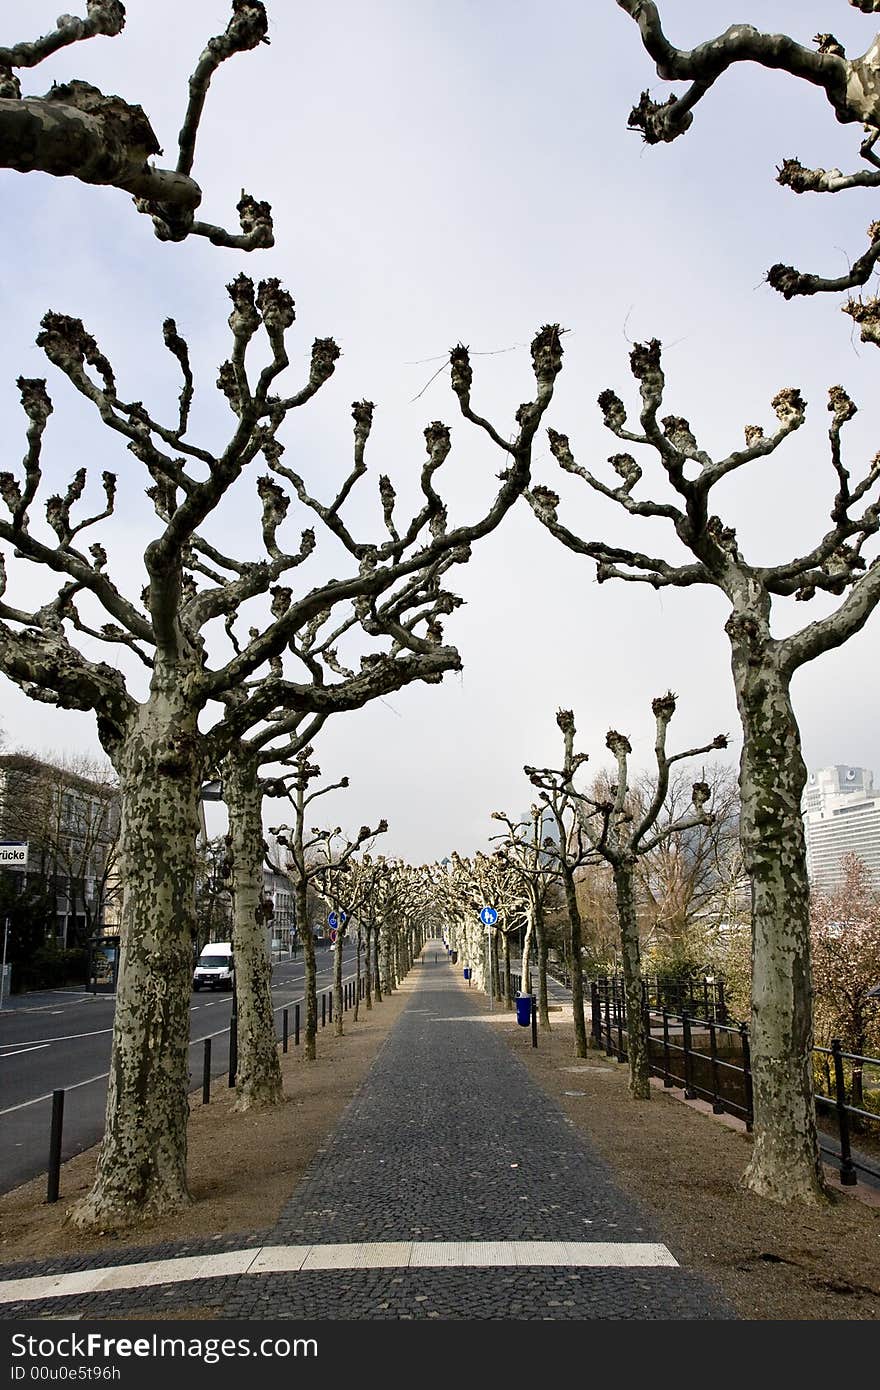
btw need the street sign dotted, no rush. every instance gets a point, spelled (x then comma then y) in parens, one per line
(337, 919)
(13, 854)
(333, 935)
(488, 916)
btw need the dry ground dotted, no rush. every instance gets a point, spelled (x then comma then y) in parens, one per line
(685, 1166)
(228, 1196)
(772, 1263)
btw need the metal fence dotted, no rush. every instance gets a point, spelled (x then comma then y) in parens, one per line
(711, 1060)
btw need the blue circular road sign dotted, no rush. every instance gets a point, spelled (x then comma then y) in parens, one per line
(488, 916)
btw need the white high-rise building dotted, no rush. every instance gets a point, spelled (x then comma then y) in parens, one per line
(841, 813)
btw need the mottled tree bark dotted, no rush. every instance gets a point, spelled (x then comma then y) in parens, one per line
(258, 1077)
(310, 1032)
(785, 1158)
(77, 131)
(636, 1032)
(541, 946)
(377, 984)
(577, 976)
(142, 1167)
(359, 942)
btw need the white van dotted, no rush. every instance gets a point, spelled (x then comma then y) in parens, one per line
(215, 968)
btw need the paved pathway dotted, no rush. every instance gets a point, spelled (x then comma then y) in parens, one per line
(448, 1146)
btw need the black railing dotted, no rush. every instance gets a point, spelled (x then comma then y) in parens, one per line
(711, 1061)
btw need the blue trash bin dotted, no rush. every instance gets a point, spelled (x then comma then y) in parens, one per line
(524, 1009)
(467, 972)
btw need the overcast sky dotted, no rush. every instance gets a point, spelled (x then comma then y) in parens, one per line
(463, 171)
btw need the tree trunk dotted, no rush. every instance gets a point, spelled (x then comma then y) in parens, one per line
(357, 979)
(377, 932)
(307, 936)
(368, 965)
(142, 1167)
(541, 943)
(258, 1082)
(337, 985)
(387, 960)
(636, 1032)
(785, 1158)
(577, 978)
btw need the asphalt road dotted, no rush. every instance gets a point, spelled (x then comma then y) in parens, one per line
(61, 1039)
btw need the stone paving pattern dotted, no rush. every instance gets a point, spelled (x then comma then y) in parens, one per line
(448, 1138)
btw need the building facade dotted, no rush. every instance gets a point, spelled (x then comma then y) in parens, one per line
(841, 810)
(70, 822)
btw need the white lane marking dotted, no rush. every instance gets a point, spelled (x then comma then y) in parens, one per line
(65, 1037)
(273, 1259)
(48, 1096)
(37, 1047)
(104, 1074)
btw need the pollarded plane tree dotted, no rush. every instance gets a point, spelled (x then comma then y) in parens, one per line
(390, 904)
(409, 616)
(784, 1163)
(194, 590)
(77, 131)
(485, 880)
(450, 882)
(565, 855)
(313, 856)
(334, 855)
(258, 1082)
(391, 893)
(523, 853)
(360, 906)
(851, 85)
(415, 911)
(683, 885)
(620, 837)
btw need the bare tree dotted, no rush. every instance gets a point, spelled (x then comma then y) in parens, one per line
(568, 853)
(333, 858)
(528, 865)
(785, 1163)
(851, 85)
(157, 746)
(359, 890)
(258, 1074)
(846, 964)
(307, 865)
(682, 884)
(613, 832)
(76, 131)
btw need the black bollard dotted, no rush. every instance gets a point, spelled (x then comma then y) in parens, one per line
(206, 1073)
(55, 1146)
(534, 1021)
(284, 1026)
